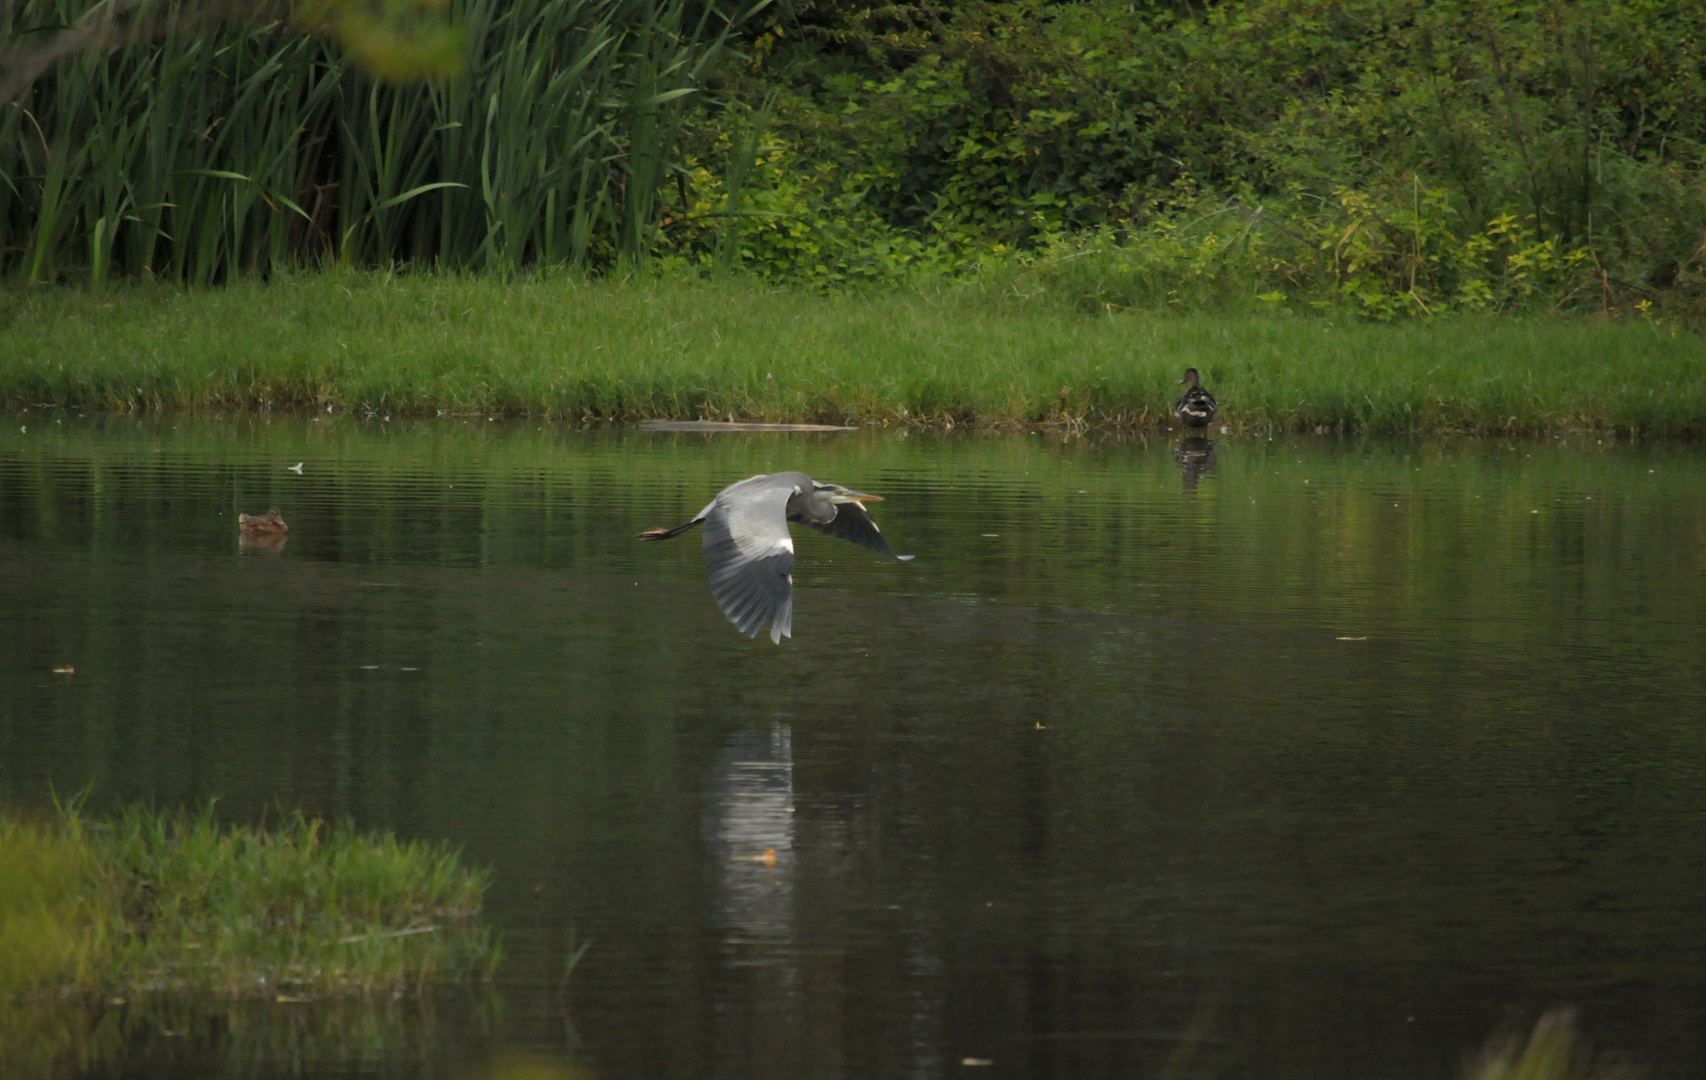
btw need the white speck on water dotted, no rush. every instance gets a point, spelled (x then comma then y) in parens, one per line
(370, 667)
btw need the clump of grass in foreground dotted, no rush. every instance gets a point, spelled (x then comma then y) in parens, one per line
(681, 349)
(150, 903)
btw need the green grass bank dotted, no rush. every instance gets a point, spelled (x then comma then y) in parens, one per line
(566, 349)
(148, 904)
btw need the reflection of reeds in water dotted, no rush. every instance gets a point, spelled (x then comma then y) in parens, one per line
(43, 1038)
(1554, 1050)
(251, 1038)
(530, 1069)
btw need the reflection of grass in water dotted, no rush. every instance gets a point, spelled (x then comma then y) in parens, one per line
(251, 1037)
(530, 1069)
(1554, 1050)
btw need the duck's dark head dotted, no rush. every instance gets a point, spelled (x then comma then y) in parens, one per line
(1191, 378)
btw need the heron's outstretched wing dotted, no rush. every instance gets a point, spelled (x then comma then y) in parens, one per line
(853, 522)
(750, 557)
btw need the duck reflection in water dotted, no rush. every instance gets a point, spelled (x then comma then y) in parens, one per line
(265, 533)
(261, 543)
(1195, 455)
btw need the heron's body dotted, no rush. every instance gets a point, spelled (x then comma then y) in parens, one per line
(1196, 407)
(750, 554)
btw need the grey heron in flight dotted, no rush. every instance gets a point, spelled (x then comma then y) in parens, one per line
(750, 554)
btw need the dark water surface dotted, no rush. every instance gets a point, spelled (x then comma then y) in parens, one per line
(1322, 762)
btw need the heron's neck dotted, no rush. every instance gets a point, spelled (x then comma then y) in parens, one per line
(816, 507)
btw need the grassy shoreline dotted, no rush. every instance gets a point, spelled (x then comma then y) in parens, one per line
(152, 904)
(561, 348)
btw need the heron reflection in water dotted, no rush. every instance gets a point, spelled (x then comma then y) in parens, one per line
(748, 826)
(750, 554)
(749, 833)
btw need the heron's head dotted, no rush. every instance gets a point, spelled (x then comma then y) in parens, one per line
(838, 494)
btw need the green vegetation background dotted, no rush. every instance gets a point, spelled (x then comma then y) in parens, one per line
(1396, 157)
(981, 176)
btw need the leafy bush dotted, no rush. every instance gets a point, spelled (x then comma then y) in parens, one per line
(1399, 157)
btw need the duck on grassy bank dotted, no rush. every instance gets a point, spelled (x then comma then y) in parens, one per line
(750, 554)
(1196, 407)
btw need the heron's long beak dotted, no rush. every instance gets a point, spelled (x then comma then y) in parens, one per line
(856, 496)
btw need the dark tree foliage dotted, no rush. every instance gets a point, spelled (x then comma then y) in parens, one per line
(1514, 123)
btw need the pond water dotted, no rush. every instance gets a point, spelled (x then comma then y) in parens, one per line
(1303, 757)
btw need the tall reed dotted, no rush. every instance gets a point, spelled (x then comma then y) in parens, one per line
(218, 153)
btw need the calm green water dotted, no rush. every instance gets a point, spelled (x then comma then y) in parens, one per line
(1322, 761)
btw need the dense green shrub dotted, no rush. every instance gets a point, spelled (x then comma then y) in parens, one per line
(1400, 156)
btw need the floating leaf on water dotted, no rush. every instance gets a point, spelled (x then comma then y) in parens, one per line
(66, 670)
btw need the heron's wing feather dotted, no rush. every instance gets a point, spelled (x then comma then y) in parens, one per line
(750, 557)
(853, 522)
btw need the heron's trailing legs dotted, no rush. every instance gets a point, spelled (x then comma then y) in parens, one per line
(665, 534)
